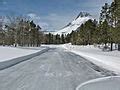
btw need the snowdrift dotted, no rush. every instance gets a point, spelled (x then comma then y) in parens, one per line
(20, 58)
(107, 60)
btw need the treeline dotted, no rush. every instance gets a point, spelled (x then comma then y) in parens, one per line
(107, 30)
(82, 36)
(54, 39)
(20, 32)
(104, 31)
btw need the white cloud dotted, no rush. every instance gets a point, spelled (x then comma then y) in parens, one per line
(93, 3)
(4, 2)
(51, 21)
(58, 21)
(33, 16)
(37, 20)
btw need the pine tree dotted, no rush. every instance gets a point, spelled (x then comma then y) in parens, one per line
(62, 39)
(73, 37)
(104, 32)
(2, 34)
(67, 38)
(105, 25)
(115, 8)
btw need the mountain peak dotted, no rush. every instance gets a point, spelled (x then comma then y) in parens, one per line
(72, 26)
(83, 14)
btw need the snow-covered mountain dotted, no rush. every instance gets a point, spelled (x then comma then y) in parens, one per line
(72, 26)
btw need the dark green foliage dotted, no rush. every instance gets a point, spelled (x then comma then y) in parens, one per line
(62, 39)
(54, 39)
(107, 31)
(85, 33)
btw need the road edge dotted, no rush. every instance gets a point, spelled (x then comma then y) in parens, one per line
(12, 62)
(96, 80)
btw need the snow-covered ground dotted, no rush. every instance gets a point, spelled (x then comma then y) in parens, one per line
(107, 60)
(8, 53)
(53, 45)
(106, 83)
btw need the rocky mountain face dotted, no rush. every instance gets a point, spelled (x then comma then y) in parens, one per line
(76, 23)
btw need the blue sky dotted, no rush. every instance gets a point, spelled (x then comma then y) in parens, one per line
(51, 14)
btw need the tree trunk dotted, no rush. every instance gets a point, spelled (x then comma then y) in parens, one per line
(118, 47)
(111, 49)
(105, 44)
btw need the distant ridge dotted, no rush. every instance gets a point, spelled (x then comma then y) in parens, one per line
(72, 26)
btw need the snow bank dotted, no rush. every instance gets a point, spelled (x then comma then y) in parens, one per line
(10, 56)
(7, 53)
(53, 45)
(108, 60)
(106, 83)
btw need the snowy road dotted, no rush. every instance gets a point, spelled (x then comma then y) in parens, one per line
(56, 69)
